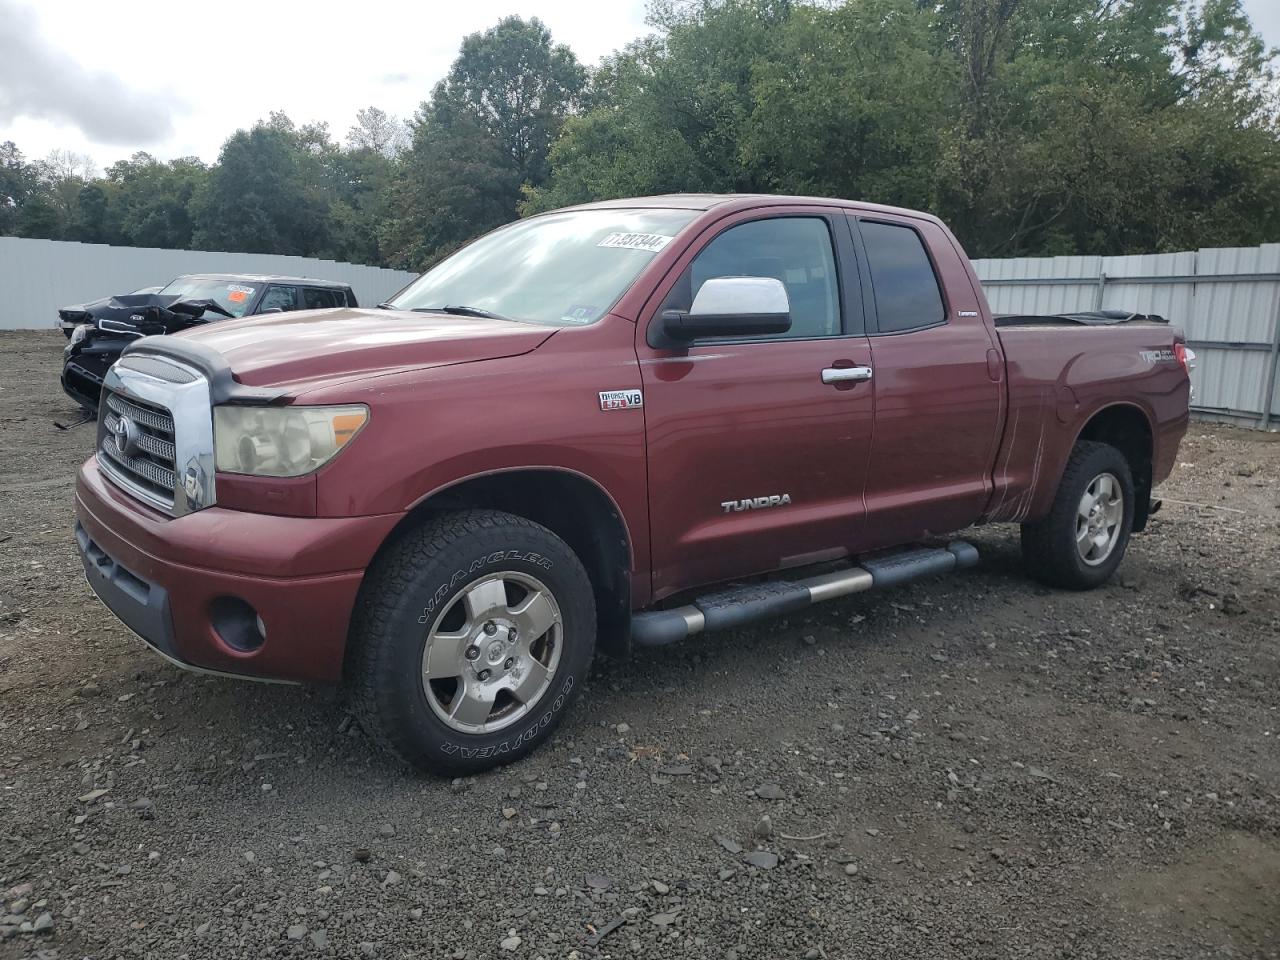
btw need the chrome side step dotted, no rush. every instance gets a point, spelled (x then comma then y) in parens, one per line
(738, 606)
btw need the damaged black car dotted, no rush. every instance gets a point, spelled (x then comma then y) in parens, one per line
(102, 329)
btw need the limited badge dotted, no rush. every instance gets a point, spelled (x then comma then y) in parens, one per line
(621, 399)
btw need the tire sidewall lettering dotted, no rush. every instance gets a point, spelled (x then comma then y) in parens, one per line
(447, 590)
(527, 735)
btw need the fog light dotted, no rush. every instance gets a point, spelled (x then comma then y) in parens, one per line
(237, 624)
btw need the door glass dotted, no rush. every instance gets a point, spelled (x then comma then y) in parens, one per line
(282, 298)
(906, 288)
(795, 250)
(314, 299)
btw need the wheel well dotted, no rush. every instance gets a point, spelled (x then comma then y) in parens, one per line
(574, 509)
(1128, 430)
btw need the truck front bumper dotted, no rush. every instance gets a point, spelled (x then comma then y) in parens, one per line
(227, 591)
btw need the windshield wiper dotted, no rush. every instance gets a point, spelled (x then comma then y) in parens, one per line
(462, 311)
(385, 305)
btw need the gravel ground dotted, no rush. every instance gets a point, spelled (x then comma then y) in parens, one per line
(971, 767)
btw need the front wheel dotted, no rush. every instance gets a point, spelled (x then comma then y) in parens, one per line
(1081, 542)
(474, 635)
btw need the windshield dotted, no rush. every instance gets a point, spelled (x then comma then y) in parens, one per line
(232, 295)
(562, 269)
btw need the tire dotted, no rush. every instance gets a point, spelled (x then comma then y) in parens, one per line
(1049, 546)
(475, 592)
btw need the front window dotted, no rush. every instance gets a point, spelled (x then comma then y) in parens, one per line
(562, 269)
(232, 295)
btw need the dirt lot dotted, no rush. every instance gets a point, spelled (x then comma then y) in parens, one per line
(972, 767)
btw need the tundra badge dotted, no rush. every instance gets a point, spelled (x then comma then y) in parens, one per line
(756, 503)
(621, 399)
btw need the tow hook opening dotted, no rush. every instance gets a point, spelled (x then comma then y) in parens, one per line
(237, 624)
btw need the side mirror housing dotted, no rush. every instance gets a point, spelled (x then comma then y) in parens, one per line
(732, 307)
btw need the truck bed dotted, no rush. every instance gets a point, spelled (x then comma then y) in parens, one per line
(1060, 372)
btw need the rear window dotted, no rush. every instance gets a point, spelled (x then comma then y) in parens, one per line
(232, 295)
(315, 299)
(906, 288)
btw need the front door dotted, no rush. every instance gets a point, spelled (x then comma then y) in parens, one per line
(757, 458)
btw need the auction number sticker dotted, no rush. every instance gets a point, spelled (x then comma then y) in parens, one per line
(649, 242)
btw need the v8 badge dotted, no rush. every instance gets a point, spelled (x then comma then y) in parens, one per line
(621, 399)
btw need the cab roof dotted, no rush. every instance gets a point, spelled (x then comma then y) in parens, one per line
(728, 202)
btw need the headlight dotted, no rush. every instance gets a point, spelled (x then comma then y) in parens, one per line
(79, 332)
(282, 441)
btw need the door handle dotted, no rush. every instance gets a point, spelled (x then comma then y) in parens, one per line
(845, 374)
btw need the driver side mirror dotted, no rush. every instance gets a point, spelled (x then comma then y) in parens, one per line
(732, 307)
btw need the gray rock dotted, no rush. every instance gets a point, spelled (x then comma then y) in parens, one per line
(43, 924)
(598, 881)
(296, 932)
(511, 943)
(770, 791)
(387, 830)
(729, 844)
(762, 859)
(319, 939)
(763, 828)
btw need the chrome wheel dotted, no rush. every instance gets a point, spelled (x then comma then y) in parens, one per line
(1099, 518)
(492, 653)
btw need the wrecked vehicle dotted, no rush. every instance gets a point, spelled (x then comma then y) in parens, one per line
(71, 317)
(619, 424)
(102, 329)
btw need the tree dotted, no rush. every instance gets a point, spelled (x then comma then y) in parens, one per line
(151, 201)
(378, 131)
(482, 137)
(18, 181)
(268, 193)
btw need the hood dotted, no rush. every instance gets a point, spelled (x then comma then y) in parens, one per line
(318, 345)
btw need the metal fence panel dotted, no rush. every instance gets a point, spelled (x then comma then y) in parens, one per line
(39, 276)
(1227, 300)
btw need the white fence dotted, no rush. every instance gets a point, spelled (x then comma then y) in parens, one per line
(1226, 299)
(39, 276)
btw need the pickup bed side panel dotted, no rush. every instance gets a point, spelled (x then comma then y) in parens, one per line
(1059, 378)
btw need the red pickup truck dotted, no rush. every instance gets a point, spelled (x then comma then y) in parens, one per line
(617, 424)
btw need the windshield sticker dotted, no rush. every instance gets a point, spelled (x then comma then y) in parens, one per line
(650, 242)
(239, 288)
(579, 313)
(237, 296)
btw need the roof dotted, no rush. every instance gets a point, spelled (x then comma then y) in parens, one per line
(268, 278)
(707, 201)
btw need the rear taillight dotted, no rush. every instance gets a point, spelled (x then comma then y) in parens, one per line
(1186, 356)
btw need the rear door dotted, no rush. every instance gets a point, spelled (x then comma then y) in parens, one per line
(937, 374)
(756, 463)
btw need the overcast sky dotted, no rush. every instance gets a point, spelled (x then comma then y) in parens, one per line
(176, 78)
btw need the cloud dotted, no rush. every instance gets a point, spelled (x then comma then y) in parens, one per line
(38, 81)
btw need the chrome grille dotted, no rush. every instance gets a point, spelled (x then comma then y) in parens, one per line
(146, 463)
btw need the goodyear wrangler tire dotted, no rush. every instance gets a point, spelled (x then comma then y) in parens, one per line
(473, 636)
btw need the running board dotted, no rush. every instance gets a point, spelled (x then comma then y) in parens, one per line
(739, 606)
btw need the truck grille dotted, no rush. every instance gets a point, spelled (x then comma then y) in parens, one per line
(136, 439)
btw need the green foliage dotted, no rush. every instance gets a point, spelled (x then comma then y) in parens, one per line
(1030, 126)
(267, 193)
(482, 139)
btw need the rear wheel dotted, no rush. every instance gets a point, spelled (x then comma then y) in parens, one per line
(474, 635)
(1081, 542)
